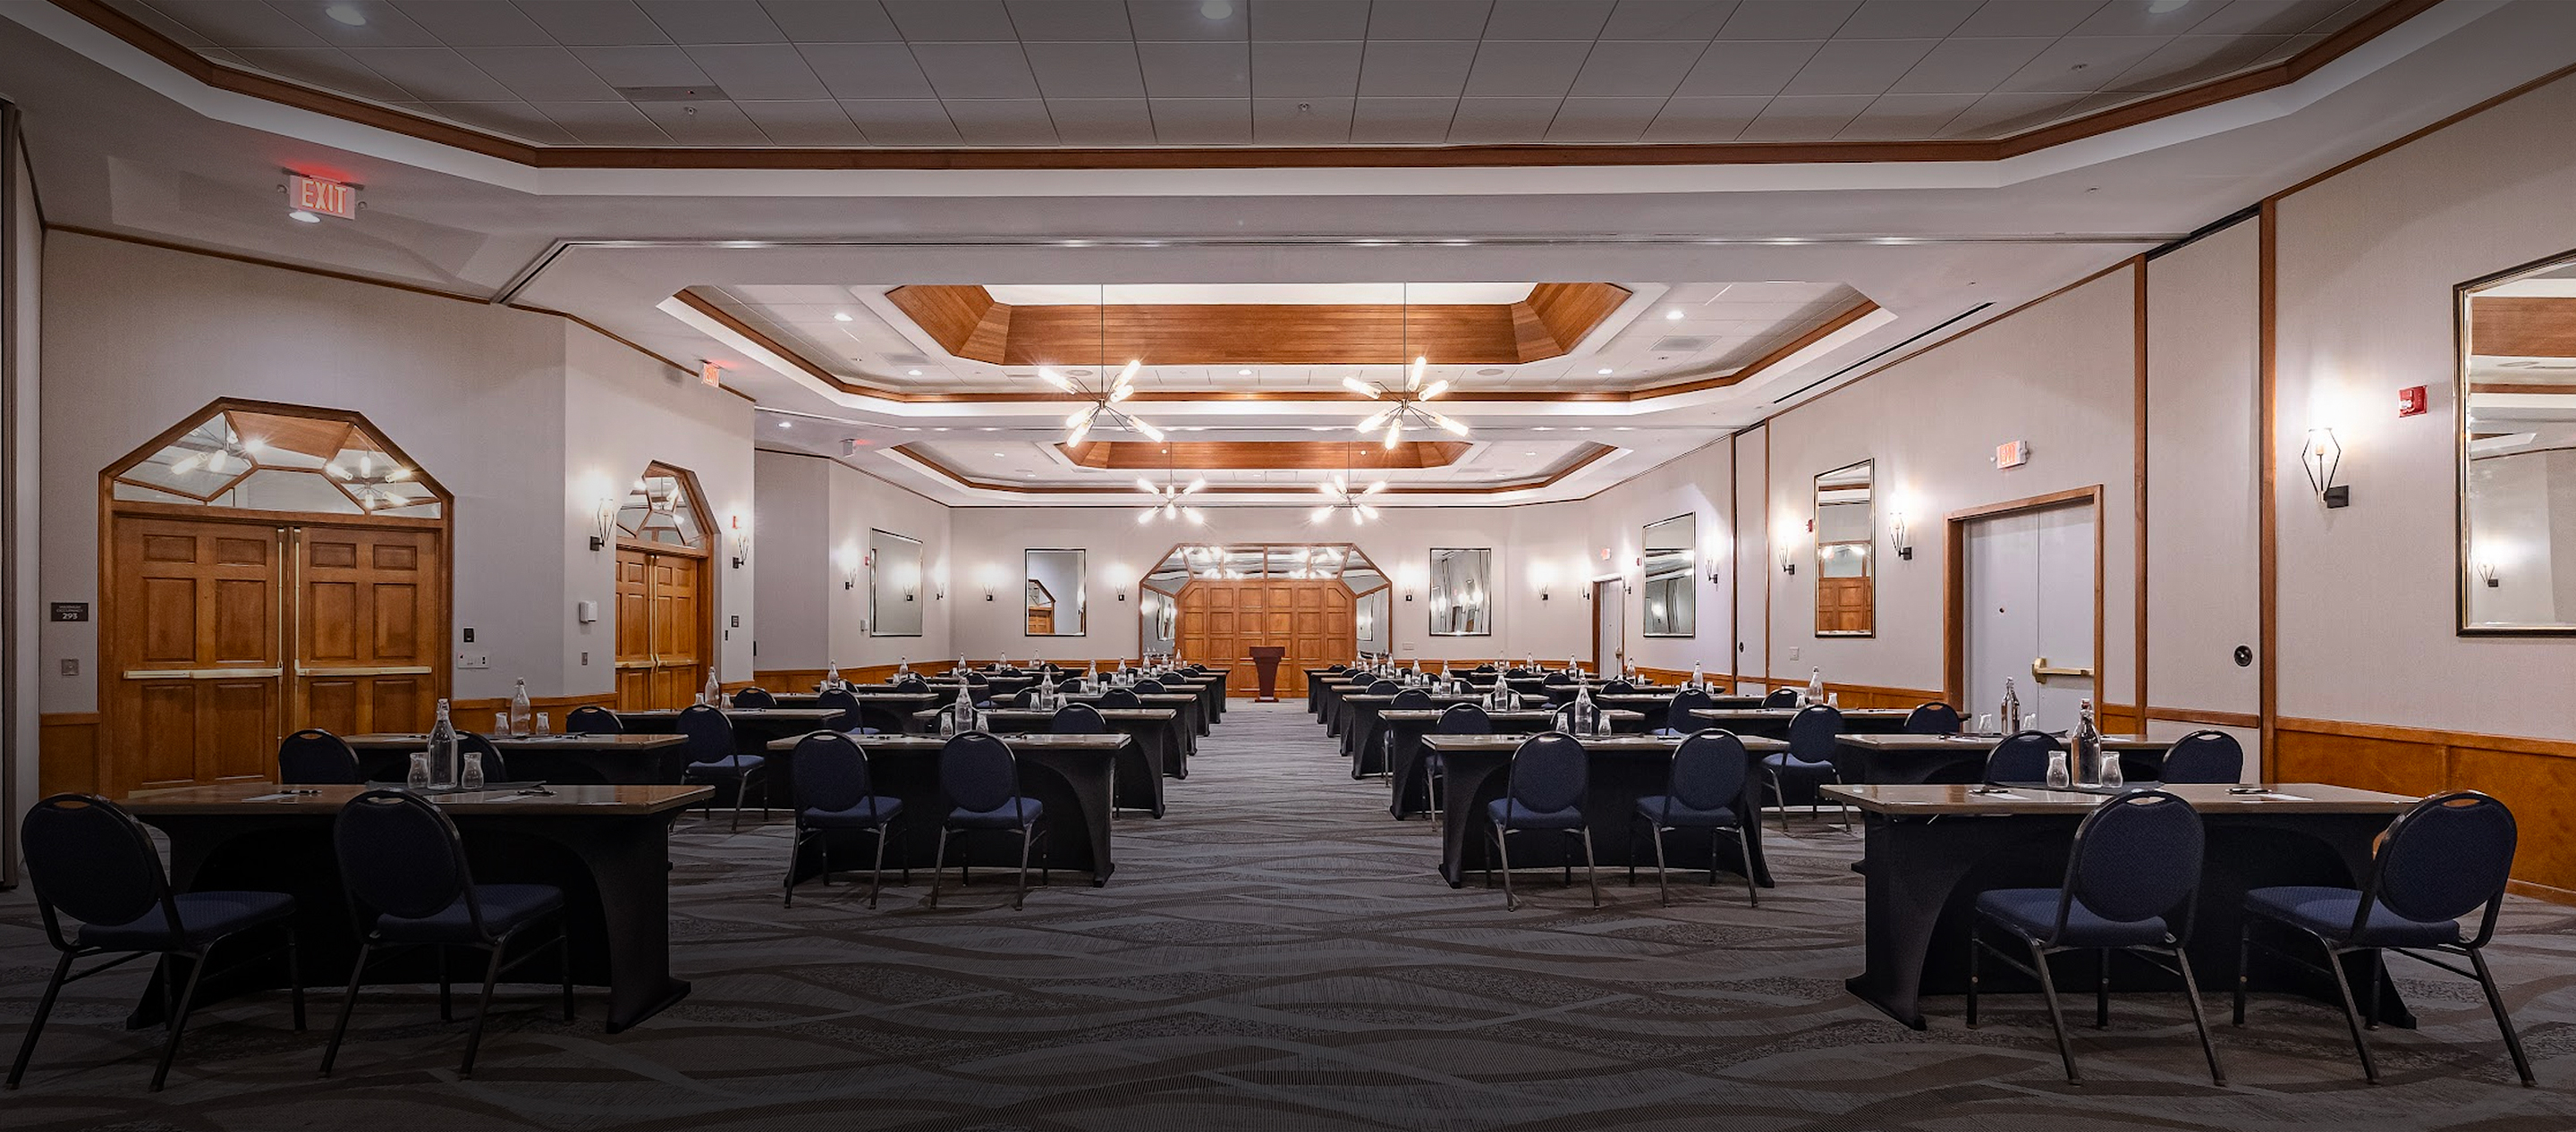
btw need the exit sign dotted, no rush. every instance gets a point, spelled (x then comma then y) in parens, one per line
(325, 198)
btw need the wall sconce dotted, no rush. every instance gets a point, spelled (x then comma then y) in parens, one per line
(1122, 594)
(849, 568)
(741, 543)
(1788, 562)
(1408, 595)
(2322, 456)
(2487, 574)
(988, 593)
(602, 520)
(1896, 540)
(1542, 593)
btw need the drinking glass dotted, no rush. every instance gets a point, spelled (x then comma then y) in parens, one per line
(418, 779)
(1986, 724)
(501, 723)
(1833, 699)
(472, 779)
(545, 725)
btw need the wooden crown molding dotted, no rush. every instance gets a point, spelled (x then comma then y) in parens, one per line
(1237, 455)
(237, 80)
(1583, 458)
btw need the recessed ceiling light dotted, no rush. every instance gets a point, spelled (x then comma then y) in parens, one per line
(1544, 428)
(302, 216)
(1529, 453)
(346, 14)
(1674, 314)
(840, 316)
(992, 428)
(1243, 373)
(1624, 428)
(1604, 371)
(786, 424)
(917, 373)
(939, 428)
(1490, 371)
(1583, 428)
(997, 455)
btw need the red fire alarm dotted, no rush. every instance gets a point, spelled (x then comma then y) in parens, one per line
(2410, 401)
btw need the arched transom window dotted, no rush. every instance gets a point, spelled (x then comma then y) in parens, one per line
(278, 458)
(662, 507)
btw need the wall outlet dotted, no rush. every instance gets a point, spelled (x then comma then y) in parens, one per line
(469, 634)
(71, 666)
(585, 660)
(473, 661)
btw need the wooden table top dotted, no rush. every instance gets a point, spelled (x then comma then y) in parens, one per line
(1447, 744)
(1445, 697)
(1901, 742)
(1148, 697)
(1106, 742)
(793, 714)
(1516, 715)
(382, 741)
(1147, 714)
(1996, 801)
(1770, 713)
(249, 798)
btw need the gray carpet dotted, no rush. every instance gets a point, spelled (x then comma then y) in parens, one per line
(1278, 953)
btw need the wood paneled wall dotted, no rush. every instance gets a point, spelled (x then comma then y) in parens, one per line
(2536, 777)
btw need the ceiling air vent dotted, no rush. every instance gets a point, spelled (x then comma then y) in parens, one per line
(1680, 344)
(906, 359)
(708, 92)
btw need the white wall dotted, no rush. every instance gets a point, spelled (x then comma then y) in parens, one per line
(20, 446)
(859, 503)
(796, 577)
(1700, 484)
(2204, 385)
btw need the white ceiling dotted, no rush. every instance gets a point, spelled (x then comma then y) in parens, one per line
(1247, 72)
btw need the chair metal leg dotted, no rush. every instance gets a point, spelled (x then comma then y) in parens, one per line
(1591, 867)
(741, 783)
(938, 865)
(1503, 850)
(2191, 993)
(1779, 794)
(295, 976)
(2504, 1021)
(2378, 975)
(36, 1025)
(1744, 850)
(2351, 1015)
(1663, 893)
(179, 1020)
(2244, 953)
(1021, 898)
(876, 874)
(483, 1009)
(348, 1002)
(795, 847)
(2056, 1017)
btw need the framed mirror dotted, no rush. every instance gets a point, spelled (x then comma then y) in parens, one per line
(2517, 446)
(1053, 593)
(1846, 567)
(1462, 590)
(1672, 592)
(894, 585)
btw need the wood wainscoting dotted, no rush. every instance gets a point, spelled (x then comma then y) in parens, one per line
(67, 753)
(2536, 777)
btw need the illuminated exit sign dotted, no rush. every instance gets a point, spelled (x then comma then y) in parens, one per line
(323, 198)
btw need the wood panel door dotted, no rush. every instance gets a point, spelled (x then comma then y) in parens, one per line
(661, 629)
(195, 649)
(370, 626)
(1221, 622)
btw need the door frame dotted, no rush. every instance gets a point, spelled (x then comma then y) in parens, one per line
(1594, 595)
(1954, 624)
(709, 645)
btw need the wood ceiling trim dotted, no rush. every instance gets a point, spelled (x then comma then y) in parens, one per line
(1584, 458)
(2522, 326)
(1767, 361)
(225, 77)
(1247, 455)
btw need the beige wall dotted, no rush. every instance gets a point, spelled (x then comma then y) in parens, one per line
(2204, 591)
(815, 512)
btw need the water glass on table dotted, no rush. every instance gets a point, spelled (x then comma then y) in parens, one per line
(501, 724)
(545, 723)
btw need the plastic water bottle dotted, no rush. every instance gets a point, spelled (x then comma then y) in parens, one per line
(523, 718)
(442, 751)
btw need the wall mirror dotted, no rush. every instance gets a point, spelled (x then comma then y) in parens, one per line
(895, 594)
(2517, 428)
(1054, 593)
(1462, 591)
(1846, 531)
(1672, 594)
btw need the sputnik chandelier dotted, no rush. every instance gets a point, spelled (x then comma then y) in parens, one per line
(1338, 495)
(1409, 407)
(1102, 409)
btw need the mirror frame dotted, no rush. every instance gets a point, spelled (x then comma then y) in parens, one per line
(1689, 575)
(2462, 567)
(1081, 588)
(874, 621)
(1869, 550)
(1485, 577)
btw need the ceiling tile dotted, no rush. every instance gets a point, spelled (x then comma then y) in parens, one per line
(1697, 20)
(641, 66)
(866, 70)
(1906, 19)
(1429, 19)
(385, 26)
(1386, 121)
(1997, 114)
(1858, 66)
(1501, 121)
(326, 67)
(516, 119)
(901, 121)
(1309, 19)
(594, 23)
(2185, 60)
(539, 74)
(477, 23)
(1001, 121)
(433, 74)
(2028, 17)
(1525, 69)
(1069, 21)
(1969, 66)
(1906, 117)
(1705, 119)
(2139, 17)
(1787, 19)
(802, 123)
(1202, 121)
(713, 21)
(2276, 17)
(1186, 20)
(1636, 68)
(2082, 63)
(1296, 121)
(950, 21)
(1546, 19)
(242, 23)
(1306, 69)
(976, 70)
(1196, 70)
(605, 123)
(1747, 68)
(765, 71)
(842, 21)
(143, 12)
(714, 122)
(1086, 70)
(1415, 68)
(1603, 120)
(1102, 121)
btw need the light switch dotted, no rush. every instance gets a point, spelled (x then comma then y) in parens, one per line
(71, 666)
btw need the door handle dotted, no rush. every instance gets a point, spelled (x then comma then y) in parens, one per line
(2040, 669)
(365, 670)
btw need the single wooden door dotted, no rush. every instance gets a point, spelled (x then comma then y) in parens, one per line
(370, 626)
(195, 646)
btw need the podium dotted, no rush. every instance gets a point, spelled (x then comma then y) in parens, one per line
(1265, 666)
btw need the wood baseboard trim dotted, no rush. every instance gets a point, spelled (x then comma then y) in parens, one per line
(2541, 892)
(2244, 719)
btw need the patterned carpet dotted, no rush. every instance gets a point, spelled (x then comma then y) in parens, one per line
(1279, 954)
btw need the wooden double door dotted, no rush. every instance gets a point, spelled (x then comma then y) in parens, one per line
(663, 633)
(224, 636)
(1221, 621)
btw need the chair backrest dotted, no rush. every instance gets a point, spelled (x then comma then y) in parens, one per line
(2135, 856)
(1935, 718)
(1618, 688)
(1558, 678)
(1813, 733)
(2204, 756)
(91, 859)
(2022, 757)
(1149, 687)
(1464, 719)
(401, 856)
(831, 772)
(979, 772)
(841, 700)
(1549, 772)
(754, 698)
(1677, 715)
(1120, 698)
(314, 757)
(2445, 857)
(913, 683)
(592, 719)
(1412, 699)
(1337, 668)
(1383, 688)
(476, 743)
(1780, 697)
(710, 733)
(1078, 719)
(1709, 770)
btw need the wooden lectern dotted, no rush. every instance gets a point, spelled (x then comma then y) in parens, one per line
(1265, 665)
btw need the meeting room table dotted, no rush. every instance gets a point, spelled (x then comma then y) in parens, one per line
(1928, 850)
(1209, 689)
(1156, 732)
(1361, 731)
(1193, 723)
(605, 759)
(1622, 769)
(753, 730)
(1890, 759)
(1073, 776)
(607, 847)
(1773, 723)
(1405, 727)
(1655, 703)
